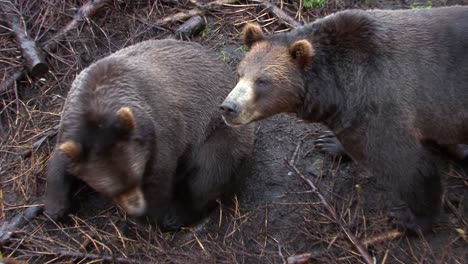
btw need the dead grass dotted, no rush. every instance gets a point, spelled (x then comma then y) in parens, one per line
(263, 232)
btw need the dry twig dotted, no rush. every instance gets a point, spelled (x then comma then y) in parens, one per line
(212, 4)
(86, 11)
(71, 254)
(37, 144)
(198, 11)
(191, 27)
(21, 219)
(381, 237)
(300, 259)
(279, 13)
(180, 16)
(365, 255)
(33, 56)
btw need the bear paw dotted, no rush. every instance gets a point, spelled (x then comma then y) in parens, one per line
(170, 221)
(57, 211)
(329, 144)
(407, 221)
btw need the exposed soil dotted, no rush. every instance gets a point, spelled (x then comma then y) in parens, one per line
(274, 217)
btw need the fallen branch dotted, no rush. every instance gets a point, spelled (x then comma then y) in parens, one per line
(278, 12)
(9, 228)
(213, 3)
(266, 4)
(181, 16)
(300, 259)
(86, 11)
(191, 27)
(381, 237)
(91, 256)
(198, 11)
(365, 255)
(11, 80)
(33, 56)
(37, 144)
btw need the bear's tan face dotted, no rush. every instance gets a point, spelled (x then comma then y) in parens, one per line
(116, 172)
(270, 79)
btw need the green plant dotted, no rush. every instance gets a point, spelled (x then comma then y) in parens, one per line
(307, 4)
(242, 50)
(421, 5)
(205, 31)
(222, 55)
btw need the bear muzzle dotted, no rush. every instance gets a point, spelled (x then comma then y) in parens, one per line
(132, 201)
(231, 113)
(229, 109)
(235, 107)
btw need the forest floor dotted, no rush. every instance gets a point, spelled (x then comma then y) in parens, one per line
(277, 218)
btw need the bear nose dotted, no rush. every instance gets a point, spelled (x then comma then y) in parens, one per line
(229, 108)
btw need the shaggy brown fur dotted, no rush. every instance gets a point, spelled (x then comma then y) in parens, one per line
(142, 127)
(391, 85)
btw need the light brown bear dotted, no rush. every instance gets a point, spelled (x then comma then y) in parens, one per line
(142, 126)
(391, 85)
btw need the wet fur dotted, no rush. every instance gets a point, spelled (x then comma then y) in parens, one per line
(189, 157)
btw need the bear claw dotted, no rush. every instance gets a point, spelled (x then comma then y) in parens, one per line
(329, 144)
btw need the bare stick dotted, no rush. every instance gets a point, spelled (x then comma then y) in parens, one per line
(37, 144)
(300, 259)
(21, 219)
(33, 56)
(365, 255)
(11, 80)
(381, 237)
(212, 4)
(191, 27)
(107, 258)
(181, 16)
(198, 11)
(86, 11)
(279, 13)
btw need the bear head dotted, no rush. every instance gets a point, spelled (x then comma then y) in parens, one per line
(107, 153)
(271, 77)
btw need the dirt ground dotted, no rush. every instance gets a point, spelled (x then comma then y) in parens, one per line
(276, 215)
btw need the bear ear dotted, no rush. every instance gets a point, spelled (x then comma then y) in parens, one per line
(252, 33)
(302, 53)
(71, 149)
(126, 118)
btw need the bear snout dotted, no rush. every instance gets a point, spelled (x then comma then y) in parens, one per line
(231, 113)
(132, 201)
(229, 108)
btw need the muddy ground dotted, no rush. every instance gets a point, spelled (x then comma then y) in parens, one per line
(274, 217)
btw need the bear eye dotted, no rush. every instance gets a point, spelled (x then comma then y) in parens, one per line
(262, 81)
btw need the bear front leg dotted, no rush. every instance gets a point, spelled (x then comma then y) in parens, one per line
(404, 165)
(57, 197)
(422, 191)
(222, 163)
(414, 178)
(214, 172)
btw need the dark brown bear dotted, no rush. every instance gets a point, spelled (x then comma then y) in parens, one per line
(391, 85)
(142, 126)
